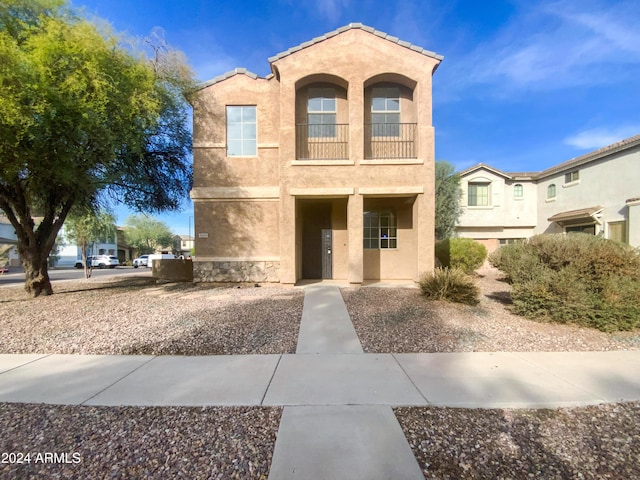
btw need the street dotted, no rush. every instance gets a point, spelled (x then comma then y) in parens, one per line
(74, 274)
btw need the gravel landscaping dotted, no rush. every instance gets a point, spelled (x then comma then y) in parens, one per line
(598, 442)
(130, 442)
(139, 316)
(401, 321)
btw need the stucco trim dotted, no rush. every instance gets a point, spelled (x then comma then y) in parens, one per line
(321, 192)
(323, 163)
(393, 161)
(209, 145)
(234, 192)
(391, 190)
(201, 258)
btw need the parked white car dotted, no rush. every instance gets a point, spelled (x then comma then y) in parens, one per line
(100, 261)
(141, 261)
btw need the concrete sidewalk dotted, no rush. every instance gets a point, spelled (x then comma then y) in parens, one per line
(483, 380)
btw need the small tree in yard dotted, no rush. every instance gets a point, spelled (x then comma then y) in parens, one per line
(87, 229)
(83, 119)
(147, 234)
(448, 195)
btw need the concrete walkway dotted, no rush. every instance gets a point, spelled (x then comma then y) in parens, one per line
(337, 421)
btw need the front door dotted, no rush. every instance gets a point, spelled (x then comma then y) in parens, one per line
(316, 240)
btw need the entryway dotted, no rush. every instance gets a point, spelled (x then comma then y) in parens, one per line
(317, 240)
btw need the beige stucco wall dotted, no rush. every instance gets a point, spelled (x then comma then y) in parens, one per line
(353, 61)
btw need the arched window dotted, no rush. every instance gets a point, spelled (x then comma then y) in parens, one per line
(518, 190)
(551, 191)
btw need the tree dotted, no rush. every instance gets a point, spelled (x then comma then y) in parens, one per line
(448, 194)
(88, 228)
(147, 234)
(83, 121)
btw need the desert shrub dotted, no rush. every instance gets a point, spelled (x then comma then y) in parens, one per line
(578, 278)
(464, 253)
(450, 284)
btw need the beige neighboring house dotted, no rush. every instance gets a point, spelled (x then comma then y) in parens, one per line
(596, 193)
(322, 169)
(9, 256)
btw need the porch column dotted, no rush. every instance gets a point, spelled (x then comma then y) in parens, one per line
(423, 221)
(355, 210)
(287, 239)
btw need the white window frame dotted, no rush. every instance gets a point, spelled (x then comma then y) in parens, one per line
(518, 191)
(477, 184)
(328, 112)
(240, 133)
(391, 110)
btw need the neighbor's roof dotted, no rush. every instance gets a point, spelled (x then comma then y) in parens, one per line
(575, 214)
(568, 165)
(322, 38)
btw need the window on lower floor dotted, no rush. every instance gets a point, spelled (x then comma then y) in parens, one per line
(380, 229)
(478, 195)
(618, 231)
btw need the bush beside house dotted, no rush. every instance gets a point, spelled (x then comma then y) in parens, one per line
(450, 284)
(578, 278)
(463, 253)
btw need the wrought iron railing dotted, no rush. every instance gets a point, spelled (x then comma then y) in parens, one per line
(322, 142)
(390, 140)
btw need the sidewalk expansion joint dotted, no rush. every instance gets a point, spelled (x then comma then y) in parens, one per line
(393, 355)
(266, 390)
(119, 380)
(44, 355)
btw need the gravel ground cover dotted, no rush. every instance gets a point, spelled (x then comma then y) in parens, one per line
(597, 442)
(140, 316)
(402, 321)
(127, 442)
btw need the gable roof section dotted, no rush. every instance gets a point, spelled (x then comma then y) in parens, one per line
(232, 73)
(358, 26)
(621, 146)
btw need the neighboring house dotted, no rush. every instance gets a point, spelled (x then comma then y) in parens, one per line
(69, 254)
(125, 251)
(8, 244)
(184, 243)
(596, 193)
(322, 169)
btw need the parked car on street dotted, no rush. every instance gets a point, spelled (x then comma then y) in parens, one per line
(100, 261)
(141, 261)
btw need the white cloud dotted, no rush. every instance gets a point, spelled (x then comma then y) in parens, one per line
(554, 45)
(332, 9)
(601, 137)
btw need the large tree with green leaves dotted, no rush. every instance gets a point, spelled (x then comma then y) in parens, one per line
(448, 193)
(147, 234)
(83, 119)
(86, 228)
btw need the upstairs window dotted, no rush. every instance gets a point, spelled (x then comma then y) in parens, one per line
(518, 191)
(478, 195)
(551, 191)
(385, 112)
(572, 176)
(241, 131)
(380, 229)
(321, 112)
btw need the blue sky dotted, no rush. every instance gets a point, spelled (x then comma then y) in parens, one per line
(524, 84)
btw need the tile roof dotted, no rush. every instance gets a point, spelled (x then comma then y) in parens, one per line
(575, 214)
(232, 73)
(358, 26)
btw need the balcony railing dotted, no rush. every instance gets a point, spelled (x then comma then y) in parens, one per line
(322, 142)
(390, 140)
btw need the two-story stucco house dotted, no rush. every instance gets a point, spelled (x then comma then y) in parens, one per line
(596, 193)
(322, 169)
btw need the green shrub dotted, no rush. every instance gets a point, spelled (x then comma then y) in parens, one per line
(578, 278)
(464, 253)
(450, 284)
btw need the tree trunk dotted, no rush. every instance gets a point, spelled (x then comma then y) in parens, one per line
(36, 273)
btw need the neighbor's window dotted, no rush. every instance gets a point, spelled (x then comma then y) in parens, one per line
(241, 131)
(321, 112)
(518, 191)
(380, 229)
(478, 195)
(572, 176)
(551, 191)
(385, 112)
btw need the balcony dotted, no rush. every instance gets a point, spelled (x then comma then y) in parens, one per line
(390, 140)
(322, 142)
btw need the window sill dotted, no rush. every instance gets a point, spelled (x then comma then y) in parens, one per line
(316, 163)
(571, 184)
(392, 161)
(549, 200)
(480, 207)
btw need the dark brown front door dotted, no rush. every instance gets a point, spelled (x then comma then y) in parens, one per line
(316, 255)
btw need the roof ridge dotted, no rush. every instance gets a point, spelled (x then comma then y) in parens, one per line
(232, 73)
(355, 26)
